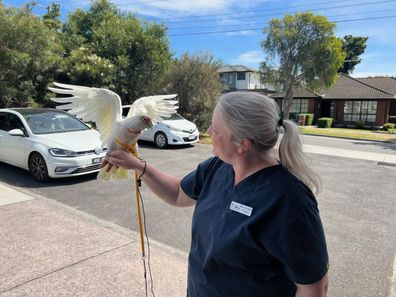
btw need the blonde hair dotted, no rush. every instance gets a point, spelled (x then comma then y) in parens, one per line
(255, 116)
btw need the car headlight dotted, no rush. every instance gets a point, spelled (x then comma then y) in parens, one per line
(57, 152)
(174, 128)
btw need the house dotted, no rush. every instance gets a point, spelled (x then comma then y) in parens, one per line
(304, 101)
(385, 83)
(239, 77)
(350, 101)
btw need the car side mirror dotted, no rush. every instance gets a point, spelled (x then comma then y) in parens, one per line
(16, 132)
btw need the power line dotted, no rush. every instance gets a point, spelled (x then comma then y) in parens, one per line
(252, 23)
(257, 13)
(259, 29)
(259, 10)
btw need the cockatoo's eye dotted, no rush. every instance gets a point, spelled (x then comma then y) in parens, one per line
(148, 121)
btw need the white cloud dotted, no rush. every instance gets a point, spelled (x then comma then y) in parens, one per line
(239, 33)
(375, 64)
(250, 58)
(187, 7)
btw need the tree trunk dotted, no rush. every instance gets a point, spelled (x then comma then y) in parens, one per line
(287, 101)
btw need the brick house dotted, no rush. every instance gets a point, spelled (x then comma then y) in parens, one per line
(304, 101)
(368, 101)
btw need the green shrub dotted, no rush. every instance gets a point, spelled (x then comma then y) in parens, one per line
(360, 124)
(325, 122)
(388, 126)
(308, 118)
(392, 119)
(293, 116)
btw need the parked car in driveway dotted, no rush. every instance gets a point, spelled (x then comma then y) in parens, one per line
(49, 143)
(175, 130)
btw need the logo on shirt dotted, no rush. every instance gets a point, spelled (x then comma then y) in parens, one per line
(242, 209)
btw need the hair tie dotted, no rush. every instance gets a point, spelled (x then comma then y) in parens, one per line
(280, 122)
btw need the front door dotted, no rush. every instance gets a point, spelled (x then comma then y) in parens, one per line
(325, 109)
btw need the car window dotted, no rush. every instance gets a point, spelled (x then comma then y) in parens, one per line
(14, 122)
(174, 117)
(3, 122)
(9, 121)
(53, 122)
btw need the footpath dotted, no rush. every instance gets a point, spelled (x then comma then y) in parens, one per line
(49, 249)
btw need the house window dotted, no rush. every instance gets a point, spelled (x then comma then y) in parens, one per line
(241, 75)
(360, 111)
(299, 106)
(228, 79)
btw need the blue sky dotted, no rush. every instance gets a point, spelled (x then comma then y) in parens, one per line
(238, 22)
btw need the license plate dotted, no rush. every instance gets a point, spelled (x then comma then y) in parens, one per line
(192, 137)
(97, 160)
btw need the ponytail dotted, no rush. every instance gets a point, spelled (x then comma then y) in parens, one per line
(292, 157)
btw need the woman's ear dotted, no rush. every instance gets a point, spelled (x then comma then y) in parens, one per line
(244, 146)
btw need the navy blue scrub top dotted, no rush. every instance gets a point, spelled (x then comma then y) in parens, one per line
(257, 238)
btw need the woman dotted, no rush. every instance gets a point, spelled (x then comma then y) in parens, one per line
(256, 229)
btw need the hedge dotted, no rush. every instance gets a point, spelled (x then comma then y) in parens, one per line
(388, 126)
(308, 118)
(325, 122)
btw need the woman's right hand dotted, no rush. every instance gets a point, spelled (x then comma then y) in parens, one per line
(124, 159)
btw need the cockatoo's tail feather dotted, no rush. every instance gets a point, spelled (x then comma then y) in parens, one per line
(114, 174)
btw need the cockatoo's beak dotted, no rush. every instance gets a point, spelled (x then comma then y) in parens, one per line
(147, 123)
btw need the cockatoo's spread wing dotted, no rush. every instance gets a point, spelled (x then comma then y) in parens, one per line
(101, 106)
(156, 107)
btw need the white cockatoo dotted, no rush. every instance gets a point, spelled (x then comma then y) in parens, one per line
(104, 108)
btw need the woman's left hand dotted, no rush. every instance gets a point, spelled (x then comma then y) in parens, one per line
(124, 159)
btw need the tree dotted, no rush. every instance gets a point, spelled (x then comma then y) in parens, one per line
(114, 50)
(52, 17)
(28, 58)
(307, 50)
(196, 82)
(353, 47)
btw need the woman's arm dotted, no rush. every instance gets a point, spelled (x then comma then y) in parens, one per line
(164, 185)
(318, 289)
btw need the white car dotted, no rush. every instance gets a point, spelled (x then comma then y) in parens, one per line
(48, 143)
(175, 130)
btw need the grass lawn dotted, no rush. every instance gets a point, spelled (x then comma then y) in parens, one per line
(350, 133)
(335, 132)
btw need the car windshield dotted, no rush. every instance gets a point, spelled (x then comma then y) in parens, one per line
(174, 117)
(45, 122)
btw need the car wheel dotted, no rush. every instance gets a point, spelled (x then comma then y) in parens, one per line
(160, 140)
(38, 167)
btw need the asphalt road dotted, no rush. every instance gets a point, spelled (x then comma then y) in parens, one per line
(358, 210)
(350, 144)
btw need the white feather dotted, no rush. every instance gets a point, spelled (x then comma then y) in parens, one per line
(155, 107)
(103, 107)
